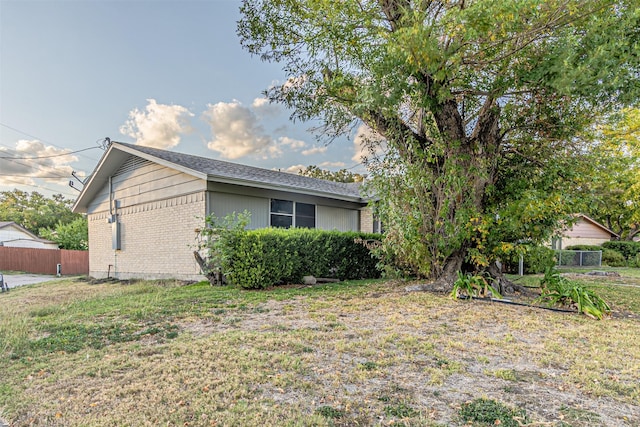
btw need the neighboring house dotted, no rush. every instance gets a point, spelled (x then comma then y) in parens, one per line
(145, 207)
(585, 231)
(14, 235)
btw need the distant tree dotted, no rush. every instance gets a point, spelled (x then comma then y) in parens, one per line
(343, 175)
(73, 235)
(35, 211)
(611, 184)
(479, 103)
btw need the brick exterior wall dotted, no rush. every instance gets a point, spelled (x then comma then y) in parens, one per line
(157, 240)
(366, 220)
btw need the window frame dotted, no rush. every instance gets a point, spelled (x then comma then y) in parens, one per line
(294, 215)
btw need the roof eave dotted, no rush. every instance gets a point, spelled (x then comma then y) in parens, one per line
(298, 190)
(103, 170)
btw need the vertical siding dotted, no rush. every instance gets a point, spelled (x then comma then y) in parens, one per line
(43, 261)
(223, 204)
(141, 181)
(587, 230)
(74, 262)
(328, 218)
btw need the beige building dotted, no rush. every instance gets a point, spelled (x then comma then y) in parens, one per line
(144, 207)
(586, 231)
(13, 235)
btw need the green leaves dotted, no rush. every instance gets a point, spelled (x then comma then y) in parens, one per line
(34, 211)
(469, 286)
(478, 105)
(73, 235)
(558, 291)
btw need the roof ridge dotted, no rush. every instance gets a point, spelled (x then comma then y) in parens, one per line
(225, 169)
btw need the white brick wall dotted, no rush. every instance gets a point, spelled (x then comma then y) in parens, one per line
(158, 240)
(366, 220)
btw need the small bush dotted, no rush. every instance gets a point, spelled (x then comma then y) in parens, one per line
(330, 412)
(473, 286)
(558, 291)
(577, 258)
(610, 257)
(489, 412)
(613, 258)
(536, 260)
(257, 259)
(628, 249)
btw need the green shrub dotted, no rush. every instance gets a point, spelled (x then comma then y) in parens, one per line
(536, 260)
(473, 286)
(559, 291)
(488, 412)
(257, 259)
(584, 248)
(628, 249)
(610, 257)
(613, 258)
(579, 257)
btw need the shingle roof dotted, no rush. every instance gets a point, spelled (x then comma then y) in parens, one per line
(249, 174)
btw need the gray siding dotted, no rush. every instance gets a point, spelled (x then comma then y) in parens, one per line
(140, 181)
(223, 204)
(328, 218)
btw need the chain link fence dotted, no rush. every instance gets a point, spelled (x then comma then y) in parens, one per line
(579, 258)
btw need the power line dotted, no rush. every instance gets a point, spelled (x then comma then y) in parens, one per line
(42, 187)
(46, 157)
(33, 167)
(39, 139)
(31, 176)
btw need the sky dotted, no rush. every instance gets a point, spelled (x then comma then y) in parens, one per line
(165, 74)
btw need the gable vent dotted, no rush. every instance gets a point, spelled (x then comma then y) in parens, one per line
(131, 164)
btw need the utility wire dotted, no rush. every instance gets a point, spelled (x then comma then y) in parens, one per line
(47, 157)
(41, 187)
(39, 139)
(61, 175)
(30, 176)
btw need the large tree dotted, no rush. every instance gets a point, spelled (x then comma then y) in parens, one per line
(343, 175)
(35, 211)
(612, 189)
(478, 103)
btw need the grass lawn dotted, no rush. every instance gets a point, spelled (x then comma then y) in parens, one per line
(361, 353)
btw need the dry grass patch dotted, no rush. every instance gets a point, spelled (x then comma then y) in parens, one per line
(358, 354)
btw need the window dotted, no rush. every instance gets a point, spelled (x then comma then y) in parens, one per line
(377, 225)
(287, 214)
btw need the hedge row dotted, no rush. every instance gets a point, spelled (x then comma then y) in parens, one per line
(629, 250)
(262, 258)
(537, 259)
(610, 257)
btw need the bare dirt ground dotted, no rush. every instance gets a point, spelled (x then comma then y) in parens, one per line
(379, 357)
(487, 358)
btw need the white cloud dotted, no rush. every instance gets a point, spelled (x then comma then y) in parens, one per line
(51, 165)
(236, 131)
(294, 83)
(159, 126)
(314, 150)
(295, 169)
(264, 107)
(294, 144)
(332, 165)
(367, 143)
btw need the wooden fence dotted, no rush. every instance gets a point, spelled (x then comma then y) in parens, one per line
(44, 261)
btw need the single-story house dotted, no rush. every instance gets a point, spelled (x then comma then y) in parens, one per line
(585, 231)
(145, 207)
(13, 235)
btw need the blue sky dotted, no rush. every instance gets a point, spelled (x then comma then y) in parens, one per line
(168, 74)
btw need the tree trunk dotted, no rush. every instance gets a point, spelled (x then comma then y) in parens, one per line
(444, 282)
